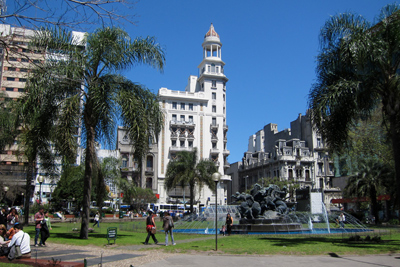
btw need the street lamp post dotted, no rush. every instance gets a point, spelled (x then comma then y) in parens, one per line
(40, 180)
(216, 176)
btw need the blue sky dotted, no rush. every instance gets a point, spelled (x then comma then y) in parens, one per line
(269, 48)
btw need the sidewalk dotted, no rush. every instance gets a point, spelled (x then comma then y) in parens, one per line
(132, 256)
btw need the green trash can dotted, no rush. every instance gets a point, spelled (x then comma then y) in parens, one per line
(103, 215)
(121, 214)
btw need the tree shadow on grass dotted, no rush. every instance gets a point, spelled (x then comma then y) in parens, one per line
(387, 245)
(75, 235)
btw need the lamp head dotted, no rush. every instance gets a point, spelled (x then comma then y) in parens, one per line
(216, 176)
(40, 179)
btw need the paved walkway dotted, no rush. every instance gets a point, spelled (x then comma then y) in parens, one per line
(132, 256)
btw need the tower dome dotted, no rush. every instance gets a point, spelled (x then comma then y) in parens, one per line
(212, 35)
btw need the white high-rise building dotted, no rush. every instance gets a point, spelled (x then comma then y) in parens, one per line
(196, 117)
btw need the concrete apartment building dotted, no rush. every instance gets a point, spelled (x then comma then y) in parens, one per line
(297, 155)
(16, 63)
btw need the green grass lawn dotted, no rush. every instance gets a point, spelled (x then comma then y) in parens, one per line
(133, 233)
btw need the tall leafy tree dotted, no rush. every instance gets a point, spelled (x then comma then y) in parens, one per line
(368, 182)
(186, 169)
(358, 69)
(80, 83)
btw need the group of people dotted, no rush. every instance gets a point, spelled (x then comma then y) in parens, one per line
(168, 225)
(12, 234)
(8, 217)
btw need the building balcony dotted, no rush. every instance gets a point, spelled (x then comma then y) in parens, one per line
(190, 137)
(149, 170)
(128, 169)
(226, 152)
(214, 126)
(190, 124)
(177, 123)
(177, 149)
(226, 164)
(182, 136)
(214, 138)
(214, 151)
(225, 139)
(226, 127)
(174, 136)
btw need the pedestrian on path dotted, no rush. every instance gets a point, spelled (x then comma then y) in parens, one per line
(45, 228)
(97, 219)
(229, 223)
(39, 217)
(151, 228)
(168, 225)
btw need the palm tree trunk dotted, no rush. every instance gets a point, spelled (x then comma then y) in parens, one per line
(87, 185)
(374, 203)
(191, 197)
(395, 137)
(29, 176)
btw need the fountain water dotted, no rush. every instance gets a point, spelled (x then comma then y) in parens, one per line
(263, 211)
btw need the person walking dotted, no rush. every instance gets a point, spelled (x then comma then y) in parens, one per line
(39, 217)
(229, 223)
(45, 228)
(342, 219)
(168, 225)
(151, 228)
(97, 219)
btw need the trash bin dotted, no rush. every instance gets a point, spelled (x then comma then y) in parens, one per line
(103, 215)
(121, 214)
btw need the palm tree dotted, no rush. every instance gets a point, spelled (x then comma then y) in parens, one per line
(368, 182)
(80, 84)
(187, 170)
(357, 70)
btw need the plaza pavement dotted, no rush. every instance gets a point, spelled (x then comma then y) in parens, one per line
(132, 256)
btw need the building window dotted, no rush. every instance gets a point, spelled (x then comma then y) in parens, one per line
(149, 163)
(124, 161)
(182, 106)
(173, 143)
(190, 143)
(224, 110)
(223, 97)
(217, 69)
(190, 118)
(214, 96)
(214, 121)
(214, 83)
(214, 109)
(11, 69)
(182, 118)
(174, 117)
(9, 89)
(10, 79)
(214, 145)
(174, 105)
(149, 182)
(182, 143)
(212, 68)
(190, 106)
